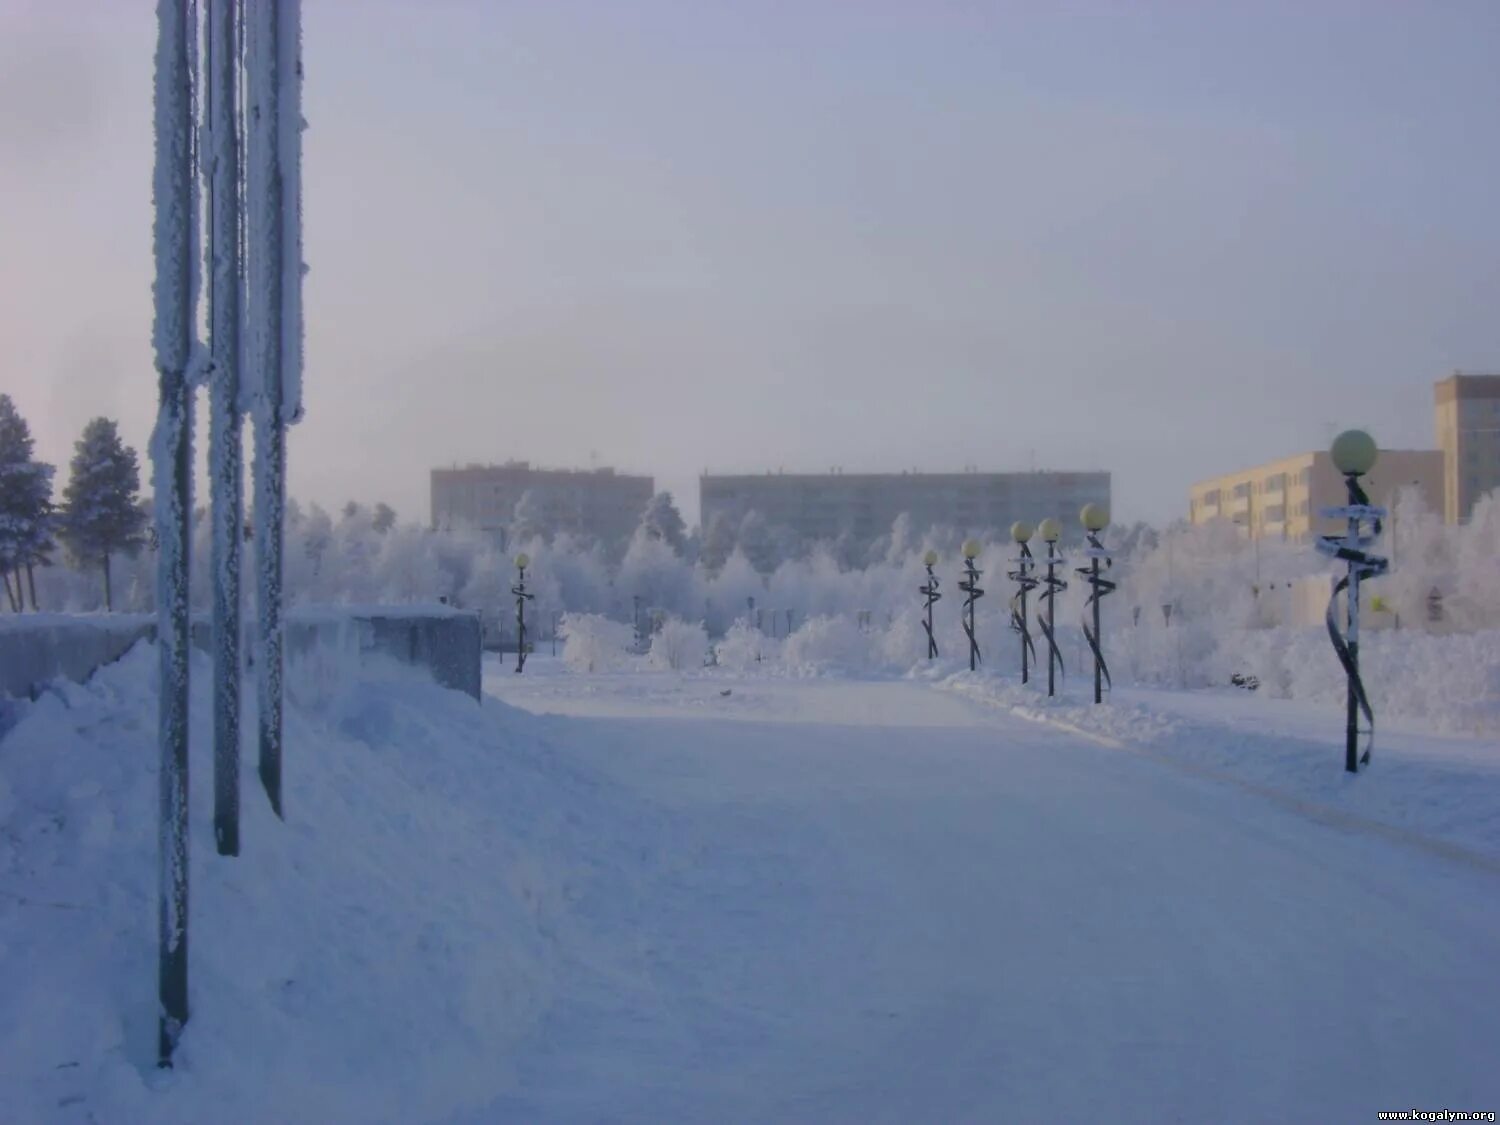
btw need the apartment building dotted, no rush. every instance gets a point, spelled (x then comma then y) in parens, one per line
(826, 506)
(600, 503)
(1282, 499)
(1468, 433)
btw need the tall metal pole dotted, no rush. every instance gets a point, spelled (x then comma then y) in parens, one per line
(273, 235)
(226, 485)
(1351, 725)
(970, 587)
(522, 597)
(928, 591)
(171, 456)
(1098, 661)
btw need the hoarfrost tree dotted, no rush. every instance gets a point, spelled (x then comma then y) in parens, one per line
(25, 507)
(661, 520)
(718, 544)
(100, 516)
(384, 518)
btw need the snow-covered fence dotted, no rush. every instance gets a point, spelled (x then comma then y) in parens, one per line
(37, 649)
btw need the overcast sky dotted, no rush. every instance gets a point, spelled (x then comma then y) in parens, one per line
(1164, 239)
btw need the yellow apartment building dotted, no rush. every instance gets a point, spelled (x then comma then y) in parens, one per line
(1282, 499)
(1468, 433)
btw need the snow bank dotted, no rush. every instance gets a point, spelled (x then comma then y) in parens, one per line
(38, 648)
(1440, 790)
(372, 959)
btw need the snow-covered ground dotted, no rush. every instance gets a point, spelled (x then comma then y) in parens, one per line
(634, 897)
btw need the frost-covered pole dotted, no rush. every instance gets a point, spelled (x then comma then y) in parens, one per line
(1353, 453)
(1095, 519)
(522, 597)
(274, 305)
(226, 487)
(970, 586)
(929, 591)
(1020, 532)
(1050, 531)
(174, 237)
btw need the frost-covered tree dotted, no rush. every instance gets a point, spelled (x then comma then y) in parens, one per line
(661, 520)
(25, 506)
(718, 543)
(100, 516)
(755, 540)
(384, 518)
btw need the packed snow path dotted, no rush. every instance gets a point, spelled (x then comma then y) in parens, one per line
(897, 905)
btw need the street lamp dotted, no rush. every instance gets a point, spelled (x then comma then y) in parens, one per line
(970, 586)
(1095, 518)
(928, 591)
(1050, 531)
(1354, 453)
(522, 597)
(1020, 532)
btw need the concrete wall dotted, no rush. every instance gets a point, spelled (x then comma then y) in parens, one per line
(36, 649)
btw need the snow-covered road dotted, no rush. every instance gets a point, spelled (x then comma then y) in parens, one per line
(890, 904)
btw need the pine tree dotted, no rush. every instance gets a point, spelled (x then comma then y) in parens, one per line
(100, 514)
(661, 520)
(25, 506)
(384, 518)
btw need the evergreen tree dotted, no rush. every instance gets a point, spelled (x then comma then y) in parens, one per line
(100, 515)
(661, 520)
(384, 518)
(25, 507)
(718, 543)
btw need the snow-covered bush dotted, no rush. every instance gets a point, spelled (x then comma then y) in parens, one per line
(679, 644)
(744, 647)
(830, 643)
(594, 643)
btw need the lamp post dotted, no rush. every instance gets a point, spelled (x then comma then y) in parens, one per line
(970, 586)
(1095, 518)
(1354, 453)
(930, 592)
(1020, 532)
(522, 597)
(1050, 531)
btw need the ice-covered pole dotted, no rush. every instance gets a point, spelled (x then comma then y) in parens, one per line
(522, 597)
(1050, 531)
(929, 591)
(1020, 532)
(226, 460)
(1353, 453)
(1095, 518)
(969, 585)
(174, 247)
(274, 306)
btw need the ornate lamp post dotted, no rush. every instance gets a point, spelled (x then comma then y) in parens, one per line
(1354, 453)
(1095, 518)
(1050, 531)
(1020, 531)
(970, 586)
(930, 592)
(522, 597)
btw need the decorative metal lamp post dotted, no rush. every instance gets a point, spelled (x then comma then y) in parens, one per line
(1050, 531)
(522, 597)
(1095, 519)
(930, 592)
(970, 586)
(1354, 453)
(1020, 531)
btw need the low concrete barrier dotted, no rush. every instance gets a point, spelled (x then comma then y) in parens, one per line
(36, 649)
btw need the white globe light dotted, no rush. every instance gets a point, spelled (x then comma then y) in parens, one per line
(523, 560)
(971, 548)
(930, 558)
(1050, 530)
(1094, 517)
(1020, 531)
(1354, 451)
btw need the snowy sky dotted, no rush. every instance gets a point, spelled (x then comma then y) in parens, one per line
(1166, 239)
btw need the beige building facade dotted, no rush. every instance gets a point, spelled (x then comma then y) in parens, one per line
(1282, 499)
(1468, 433)
(598, 502)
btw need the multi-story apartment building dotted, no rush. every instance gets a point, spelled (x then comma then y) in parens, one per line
(827, 506)
(1282, 499)
(597, 502)
(1468, 433)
